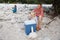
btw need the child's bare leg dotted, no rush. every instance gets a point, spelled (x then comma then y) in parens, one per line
(38, 24)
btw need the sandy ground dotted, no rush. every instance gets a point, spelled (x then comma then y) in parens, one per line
(12, 25)
(11, 28)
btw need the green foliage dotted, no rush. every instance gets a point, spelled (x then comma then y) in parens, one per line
(1, 1)
(27, 1)
(56, 4)
(48, 1)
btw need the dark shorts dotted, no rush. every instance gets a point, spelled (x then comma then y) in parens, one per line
(37, 17)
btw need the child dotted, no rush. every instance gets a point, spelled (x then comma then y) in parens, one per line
(15, 9)
(38, 12)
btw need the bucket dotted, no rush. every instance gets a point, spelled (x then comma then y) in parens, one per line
(28, 24)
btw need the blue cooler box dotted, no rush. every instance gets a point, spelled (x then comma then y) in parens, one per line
(28, 25)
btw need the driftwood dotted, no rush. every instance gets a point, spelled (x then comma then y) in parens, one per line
(51, 21)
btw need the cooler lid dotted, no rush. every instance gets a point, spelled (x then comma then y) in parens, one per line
(28, 22)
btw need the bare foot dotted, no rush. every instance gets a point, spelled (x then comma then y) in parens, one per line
(38, 28)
